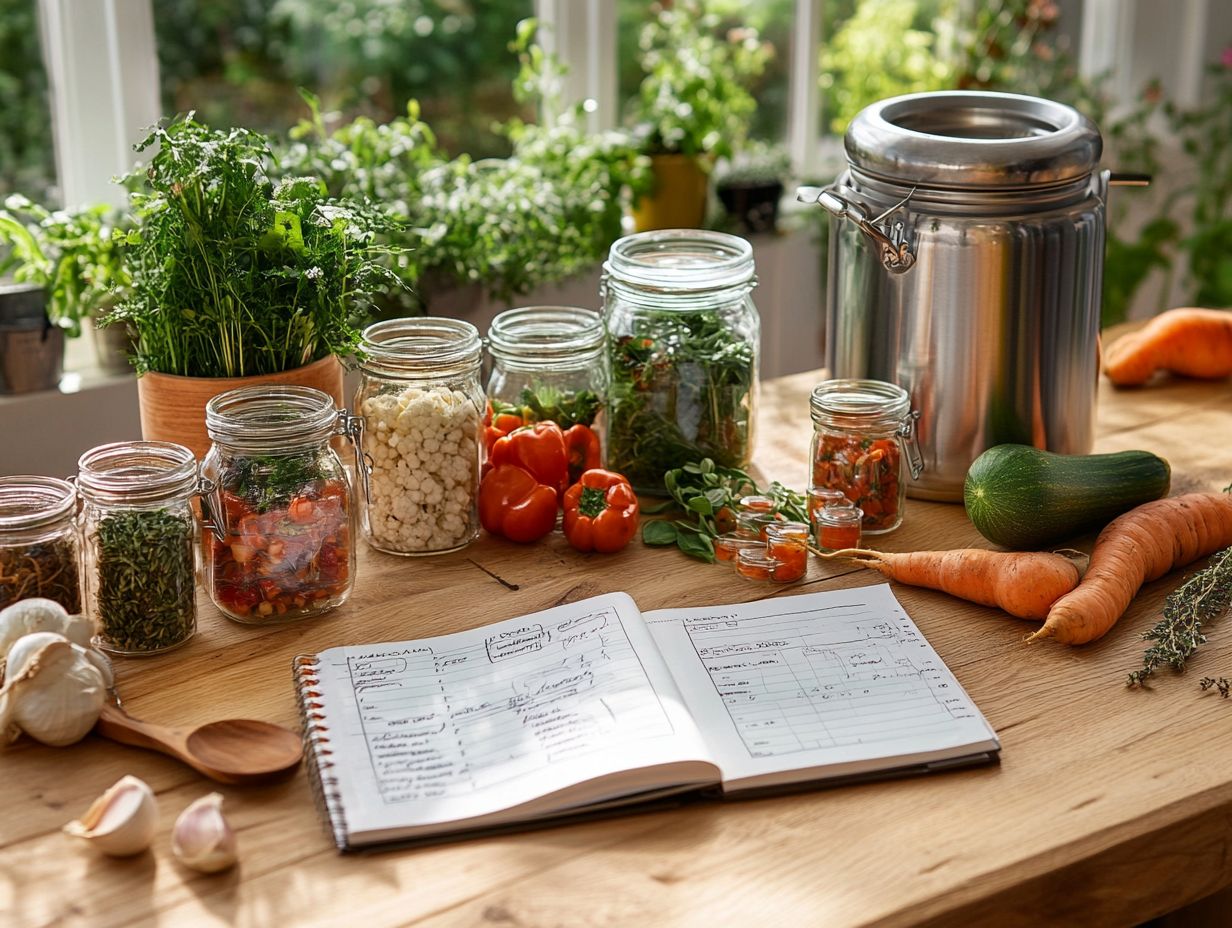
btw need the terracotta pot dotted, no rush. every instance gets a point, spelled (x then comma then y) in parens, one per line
(678, 200)
(173, 407)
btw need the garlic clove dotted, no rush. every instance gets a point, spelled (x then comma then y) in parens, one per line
(121, 822)
(202, 839)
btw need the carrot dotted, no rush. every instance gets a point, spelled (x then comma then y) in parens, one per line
(1024, 584)
(1141, 545)
(1186, 341)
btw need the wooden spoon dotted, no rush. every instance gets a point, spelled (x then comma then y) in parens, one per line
(237, 751)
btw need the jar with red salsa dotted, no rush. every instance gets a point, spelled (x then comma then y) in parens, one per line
(863, 443)
(280, 519)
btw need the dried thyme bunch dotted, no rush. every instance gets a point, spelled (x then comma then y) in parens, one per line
(1202, 598)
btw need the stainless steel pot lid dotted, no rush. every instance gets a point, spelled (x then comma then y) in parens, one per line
(972, 140)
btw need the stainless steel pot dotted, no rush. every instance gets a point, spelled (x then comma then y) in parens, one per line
(966, 261)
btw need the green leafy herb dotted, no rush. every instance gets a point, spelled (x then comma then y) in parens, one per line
(270, 481)
(1223, 685)
(682, 390)
(545, 403)
(1198, 601)
(146, 579)
(46, 569)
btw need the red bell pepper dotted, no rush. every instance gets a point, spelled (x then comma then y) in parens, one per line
(515, 505)
(582, 445)
(600, 512)
(539, 449)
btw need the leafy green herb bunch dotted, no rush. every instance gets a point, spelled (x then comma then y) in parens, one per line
(234, 275)
(72, 254)
(694, 99)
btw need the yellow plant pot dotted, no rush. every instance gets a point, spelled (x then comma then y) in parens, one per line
(678, 201)
(173, 407)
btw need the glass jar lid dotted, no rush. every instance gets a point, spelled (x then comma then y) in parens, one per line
(271, 419)
(421, 347)
(137, 472)
(35, 502)
(546, 335)
(681, 261)
(855, 404)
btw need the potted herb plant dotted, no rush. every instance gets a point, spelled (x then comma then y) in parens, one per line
(73, 256)
(237, 280)
(751, 183)
(693, 106)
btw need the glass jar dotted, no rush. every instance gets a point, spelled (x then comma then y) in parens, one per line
(280, 518)
(140, 544)
(547, 365)
(863, 441)
(39, 550)
(422, 405)
(683, 340)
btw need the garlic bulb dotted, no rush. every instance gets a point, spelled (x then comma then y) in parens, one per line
(120, 822)
(40, 615)
(202, 839)
(54, 692)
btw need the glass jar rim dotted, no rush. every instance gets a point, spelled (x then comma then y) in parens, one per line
(269, 419)
(137, 472)
(856, 403)
(28, 501)
(840, 515)
(681, 261)
(546, 333)
(422, 345)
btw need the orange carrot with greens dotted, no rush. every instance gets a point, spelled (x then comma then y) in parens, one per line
(1024, 584)
(1186, 341)
(1141, 545)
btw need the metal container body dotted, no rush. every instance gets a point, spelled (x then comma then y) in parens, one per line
(31, 348)
(993, 331)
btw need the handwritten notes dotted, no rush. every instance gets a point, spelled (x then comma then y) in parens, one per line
(847, 674)
(441, 722)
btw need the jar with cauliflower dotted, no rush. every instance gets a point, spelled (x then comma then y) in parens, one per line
(421, 402)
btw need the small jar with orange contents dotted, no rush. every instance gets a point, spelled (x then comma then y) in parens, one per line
(727, 547)
(838, 527)
(787, 543)
(863, 444)
(755, 564)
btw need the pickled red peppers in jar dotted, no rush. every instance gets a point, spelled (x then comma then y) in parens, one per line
(863, 438)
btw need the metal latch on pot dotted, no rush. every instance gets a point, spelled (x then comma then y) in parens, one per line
(908, 438)
(895, 256)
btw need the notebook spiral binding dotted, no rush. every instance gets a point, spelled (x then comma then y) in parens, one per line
(306, 671)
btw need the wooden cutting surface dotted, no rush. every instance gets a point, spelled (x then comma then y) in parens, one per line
(1109, 806)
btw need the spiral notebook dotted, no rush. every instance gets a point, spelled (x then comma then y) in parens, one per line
(593, 706)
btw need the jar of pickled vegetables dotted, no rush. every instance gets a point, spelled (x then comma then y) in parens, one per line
(279, 543)
(422, 403)
(140, 544)
(39, 549)
(547, 365)
(863, 444)
(682, 347)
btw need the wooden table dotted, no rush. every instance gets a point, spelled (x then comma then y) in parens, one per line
(1110, 806)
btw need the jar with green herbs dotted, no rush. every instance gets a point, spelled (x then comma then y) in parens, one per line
(682, 344)
(279, 538)
(548, 365)
(422, 402)
(39, 550)
(140, 535)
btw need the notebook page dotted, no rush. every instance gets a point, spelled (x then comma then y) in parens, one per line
(842, 680)
(446, 728)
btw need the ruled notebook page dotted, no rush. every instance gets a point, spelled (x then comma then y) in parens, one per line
(795, 688)
(440, 730)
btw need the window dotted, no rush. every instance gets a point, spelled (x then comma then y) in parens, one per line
(241, 62)
(27, 159)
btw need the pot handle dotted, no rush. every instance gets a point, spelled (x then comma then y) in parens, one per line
(895, 257)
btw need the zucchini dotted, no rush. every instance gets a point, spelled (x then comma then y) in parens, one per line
(1026, 499)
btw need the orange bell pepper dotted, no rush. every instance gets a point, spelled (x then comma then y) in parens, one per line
(582, 445)
(601, 512)
(515, 505)
(539, 449)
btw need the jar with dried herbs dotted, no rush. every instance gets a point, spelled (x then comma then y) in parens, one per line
(279, 542)
(140, 544)
(39, 550)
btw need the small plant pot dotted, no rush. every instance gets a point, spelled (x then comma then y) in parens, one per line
(113, 346)
(31, 348)
(173, 407)
(755, 207)
(678, 201)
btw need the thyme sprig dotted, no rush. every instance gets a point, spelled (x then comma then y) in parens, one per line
(1201, 599)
